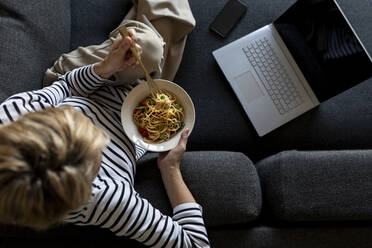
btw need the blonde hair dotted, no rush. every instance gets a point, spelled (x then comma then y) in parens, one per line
(47, 163)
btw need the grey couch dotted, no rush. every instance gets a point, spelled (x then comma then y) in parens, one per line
(306, 184)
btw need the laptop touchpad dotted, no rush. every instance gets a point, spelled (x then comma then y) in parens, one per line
(248, 86)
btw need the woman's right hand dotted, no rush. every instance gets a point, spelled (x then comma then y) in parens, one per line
(120, 56)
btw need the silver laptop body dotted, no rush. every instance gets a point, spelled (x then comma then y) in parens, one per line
(266, 79)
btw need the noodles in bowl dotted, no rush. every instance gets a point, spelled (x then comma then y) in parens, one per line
(159, 117)
(155, 123)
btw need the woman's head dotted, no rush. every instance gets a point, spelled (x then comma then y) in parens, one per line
(48, 160)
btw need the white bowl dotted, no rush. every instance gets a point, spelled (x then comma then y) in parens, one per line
(139, 93)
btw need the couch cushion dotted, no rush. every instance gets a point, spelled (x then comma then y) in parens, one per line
(299, 237)
(255, 237)
(318, 185)
(33, 34)
(92, 21)
(225, 184)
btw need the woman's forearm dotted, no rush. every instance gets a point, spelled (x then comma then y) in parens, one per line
(176, 188)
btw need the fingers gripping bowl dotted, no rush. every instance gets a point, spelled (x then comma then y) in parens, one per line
(141, 92)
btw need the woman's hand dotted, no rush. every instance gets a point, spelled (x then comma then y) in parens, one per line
(119, 57)
(170, 161)
(169, 165)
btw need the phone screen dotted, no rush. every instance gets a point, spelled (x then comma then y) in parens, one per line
(228, 17)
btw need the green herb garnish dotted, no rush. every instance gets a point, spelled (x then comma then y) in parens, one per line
(182, 125)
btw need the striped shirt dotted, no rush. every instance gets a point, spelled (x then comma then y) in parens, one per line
(114, 203)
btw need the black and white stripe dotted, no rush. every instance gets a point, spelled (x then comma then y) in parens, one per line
(114, 204)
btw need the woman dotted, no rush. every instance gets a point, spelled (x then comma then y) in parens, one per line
(74, 164)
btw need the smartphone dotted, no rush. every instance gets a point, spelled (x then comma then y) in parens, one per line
(228, 17)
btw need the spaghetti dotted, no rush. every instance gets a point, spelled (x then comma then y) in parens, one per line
(159, 117)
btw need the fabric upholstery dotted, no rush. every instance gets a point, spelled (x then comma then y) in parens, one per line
(319, 185)
(304, 237)
(92, 21)
(32, 35)
(225, 184)
(341, 236)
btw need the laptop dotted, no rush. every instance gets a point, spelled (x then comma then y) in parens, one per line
(306, 56)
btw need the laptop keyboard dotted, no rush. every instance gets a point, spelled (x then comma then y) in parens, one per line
(276, 80)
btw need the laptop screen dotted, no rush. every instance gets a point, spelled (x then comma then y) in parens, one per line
(324, 46)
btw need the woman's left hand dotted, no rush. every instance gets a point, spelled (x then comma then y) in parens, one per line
(170, 160)
(119, 57)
